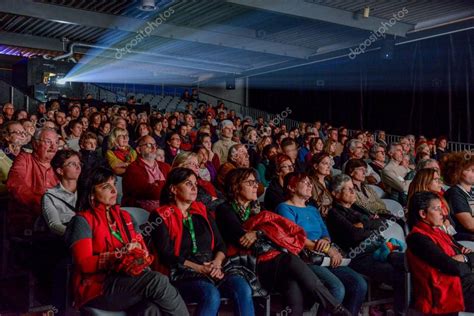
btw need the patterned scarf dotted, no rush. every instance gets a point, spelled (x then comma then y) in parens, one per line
(244, 212)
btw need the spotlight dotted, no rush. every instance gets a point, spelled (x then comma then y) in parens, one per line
(61, 82)
(366, 12)
(147, 5)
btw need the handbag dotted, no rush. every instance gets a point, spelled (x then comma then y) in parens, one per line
(312, 257)
(134, 261)
(245, 266)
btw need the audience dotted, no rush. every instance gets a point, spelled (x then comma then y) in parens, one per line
(42, 179)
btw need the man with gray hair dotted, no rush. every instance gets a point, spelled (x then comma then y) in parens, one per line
(394, 173)
(29, 178)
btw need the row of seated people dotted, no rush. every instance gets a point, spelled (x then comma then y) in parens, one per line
(146, 177)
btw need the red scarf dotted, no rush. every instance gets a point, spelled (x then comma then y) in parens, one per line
(123, 154)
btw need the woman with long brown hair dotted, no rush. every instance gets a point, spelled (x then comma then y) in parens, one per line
(430, 180)
(319, 171)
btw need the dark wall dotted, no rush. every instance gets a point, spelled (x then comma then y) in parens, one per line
(427, 88)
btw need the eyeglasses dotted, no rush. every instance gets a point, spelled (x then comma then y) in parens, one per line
(49, 142)
(19, 133)
(350, 190)
(175, 138)
(251, 183)
(307, 183)
(439, 180)
(123, 136)
(149, 145)
(74, 164)
(290, 167)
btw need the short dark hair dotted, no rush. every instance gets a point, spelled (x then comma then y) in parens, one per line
(61, 156)
(419, 201)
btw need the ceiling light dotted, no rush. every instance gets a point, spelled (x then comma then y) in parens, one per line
(147, 5)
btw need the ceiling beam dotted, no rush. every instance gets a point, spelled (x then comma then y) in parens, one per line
(37, 42)
(314, 11)
(62, 14)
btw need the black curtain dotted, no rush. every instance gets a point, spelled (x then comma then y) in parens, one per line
(426, 88)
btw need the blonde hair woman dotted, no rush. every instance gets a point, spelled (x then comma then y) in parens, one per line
(120, 154)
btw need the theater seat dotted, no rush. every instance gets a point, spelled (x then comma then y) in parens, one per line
(139, 215)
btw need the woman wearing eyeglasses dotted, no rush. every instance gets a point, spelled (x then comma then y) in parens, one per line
(441, 268)
(190, 248)
(357, 232)
(275, 194)
(319, 171)
(121, 154)
(278, 270)
(347, 286)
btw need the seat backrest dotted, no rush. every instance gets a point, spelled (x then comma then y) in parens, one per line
(395, 208)
(394, 230)
(378, 190)
(139, 215)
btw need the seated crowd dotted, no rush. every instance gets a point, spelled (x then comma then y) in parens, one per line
(220, 191)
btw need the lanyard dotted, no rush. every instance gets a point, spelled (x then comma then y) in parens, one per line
(188, 223)
(242, 212)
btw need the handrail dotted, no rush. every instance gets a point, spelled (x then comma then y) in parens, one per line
(24, 98)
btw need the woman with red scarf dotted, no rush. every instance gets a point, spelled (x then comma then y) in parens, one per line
(110, 258)
(121, 154)
(190, 247)
(443, 281)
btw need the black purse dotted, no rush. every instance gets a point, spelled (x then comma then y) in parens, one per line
(312, 257)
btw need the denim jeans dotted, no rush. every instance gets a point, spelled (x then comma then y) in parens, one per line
(208, 296)
(391, 272)
(346, 285)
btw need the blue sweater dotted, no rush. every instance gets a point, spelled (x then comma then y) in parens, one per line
(307, 217)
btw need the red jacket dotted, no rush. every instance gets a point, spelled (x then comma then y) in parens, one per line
(95, 256)
(136, 186)
(279, 230)
(435, 292)
(173, 219)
